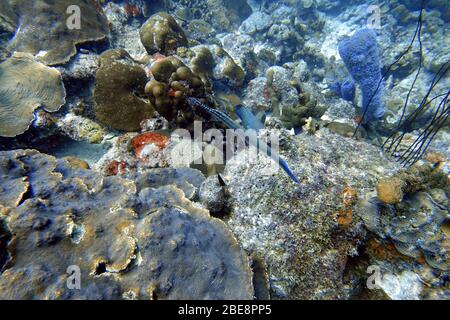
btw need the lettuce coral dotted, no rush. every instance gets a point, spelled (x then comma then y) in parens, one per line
(43, 28)
(25, 85)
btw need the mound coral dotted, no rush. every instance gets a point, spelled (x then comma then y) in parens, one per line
(296, 116)
(212, 62)
(43, 28)
(27, 84)
(119, 91)
(77, 219)
(361, 57)
(162, 34)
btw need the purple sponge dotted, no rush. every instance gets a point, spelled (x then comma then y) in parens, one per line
(361, 57)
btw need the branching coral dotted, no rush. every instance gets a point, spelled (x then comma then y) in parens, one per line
(173, 82)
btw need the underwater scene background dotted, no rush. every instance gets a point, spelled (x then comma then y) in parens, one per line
(214, 149)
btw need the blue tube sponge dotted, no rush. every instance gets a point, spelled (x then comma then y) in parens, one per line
(348, 90)
(361, 57)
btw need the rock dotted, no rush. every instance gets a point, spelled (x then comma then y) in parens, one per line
(124, 32)
(257, 22)
(405, 286)
(214, 196)
(294, 229)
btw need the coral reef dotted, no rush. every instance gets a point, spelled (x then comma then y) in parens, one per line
(413, 214)
(172, 82)
(123, 196)
(27, 84)
(221, 14)
(76, 217)
(43, 28)
(119, 92)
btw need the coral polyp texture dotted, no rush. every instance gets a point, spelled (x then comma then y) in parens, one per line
(27, 84)
(43, 27)
(76, 217)
(119, 92)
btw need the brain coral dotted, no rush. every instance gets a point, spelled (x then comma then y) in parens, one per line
(165, 248)
(161, 33)
(118, 86)
(25, 85)
(43, 28)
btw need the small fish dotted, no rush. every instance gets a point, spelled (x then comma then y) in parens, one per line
(249, 120)
(225, 119)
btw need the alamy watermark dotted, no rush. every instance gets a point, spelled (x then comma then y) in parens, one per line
(374, 20)
(73, 22)
(73, 281)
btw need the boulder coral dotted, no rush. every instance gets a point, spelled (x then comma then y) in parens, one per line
(124, 244)
(162, 34)
(172, 82)
(212, 62)
(119, 91)
(25, 85)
